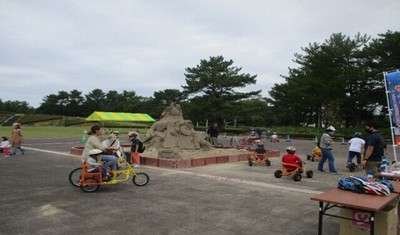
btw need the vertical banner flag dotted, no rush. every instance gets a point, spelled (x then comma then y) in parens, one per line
(393, 95)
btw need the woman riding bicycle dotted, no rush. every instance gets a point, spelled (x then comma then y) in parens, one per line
(94, 142)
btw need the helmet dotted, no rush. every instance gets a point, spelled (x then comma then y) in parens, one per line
(359, 178)
(94, 152)
(330, 128)
(132, 133)
(376, 188)
(387, 183)
(290, 149)
(358, 134)
(351, 185)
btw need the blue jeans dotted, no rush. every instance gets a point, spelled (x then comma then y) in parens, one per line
(111, 161)
(103, 171)
(327, 154)
(351, 156)
(14, 150)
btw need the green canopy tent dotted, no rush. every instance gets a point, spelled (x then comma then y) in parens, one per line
(111, 116)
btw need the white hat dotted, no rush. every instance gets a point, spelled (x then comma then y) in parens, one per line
(95, 151)
(330, 128)
(16, 124)
(131, 133)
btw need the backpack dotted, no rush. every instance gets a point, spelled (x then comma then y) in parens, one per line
(141, 147)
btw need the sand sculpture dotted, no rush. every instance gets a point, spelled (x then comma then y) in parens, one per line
(174, 137)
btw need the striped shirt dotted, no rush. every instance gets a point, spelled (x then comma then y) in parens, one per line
(326, 141)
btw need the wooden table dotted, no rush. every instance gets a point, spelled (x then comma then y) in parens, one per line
(390, 176)
(346, 199)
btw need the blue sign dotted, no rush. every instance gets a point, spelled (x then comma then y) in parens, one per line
(393, 88)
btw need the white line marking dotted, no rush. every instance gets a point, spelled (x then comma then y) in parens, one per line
(52, 152)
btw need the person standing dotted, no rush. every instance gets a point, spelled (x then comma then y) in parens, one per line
(326, 145)
(212, 133)
(374, 148)
(135, 157)
(16, 139)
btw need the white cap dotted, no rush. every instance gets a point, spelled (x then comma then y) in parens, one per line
(330, 128)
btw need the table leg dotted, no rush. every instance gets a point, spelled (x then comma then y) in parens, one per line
(321, 214)
(372, 220)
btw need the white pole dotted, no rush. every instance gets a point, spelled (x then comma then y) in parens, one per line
(390, 118)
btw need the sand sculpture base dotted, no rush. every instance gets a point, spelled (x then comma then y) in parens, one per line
(191, 162)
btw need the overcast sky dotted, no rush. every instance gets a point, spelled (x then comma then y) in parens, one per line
(47, 46)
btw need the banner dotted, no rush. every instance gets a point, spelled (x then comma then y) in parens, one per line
(393, 96)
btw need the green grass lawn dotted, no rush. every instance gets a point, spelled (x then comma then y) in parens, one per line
(59, 132)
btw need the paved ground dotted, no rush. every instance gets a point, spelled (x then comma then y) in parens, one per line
(232, 198)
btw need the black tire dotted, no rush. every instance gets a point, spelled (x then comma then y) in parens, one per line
(141, 179)
(268, 162)
(352, 168)
(75, 177)
(308, 157)
(296, 176)
(309, 174)
(91, 188)
(278, 173)
(250, 161)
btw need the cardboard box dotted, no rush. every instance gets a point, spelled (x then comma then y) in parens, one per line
(385, 221)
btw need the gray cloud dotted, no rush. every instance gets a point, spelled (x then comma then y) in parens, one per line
(52, 45)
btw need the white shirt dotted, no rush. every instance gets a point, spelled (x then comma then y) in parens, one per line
(5, 144)
(356, 144)
(91, 164)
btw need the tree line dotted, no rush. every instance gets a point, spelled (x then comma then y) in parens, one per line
(338, 82)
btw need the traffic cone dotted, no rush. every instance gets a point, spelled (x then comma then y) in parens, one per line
(83, 141)
(288, 138)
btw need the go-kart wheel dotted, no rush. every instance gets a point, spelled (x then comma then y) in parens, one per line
(250, 162)
(352, 168)
(141, 179)
(91, 185)
(309, 174)
(312, 159)
(308, 157)
(75, 177)
(278, 173)
(268, 162)
(296, 177)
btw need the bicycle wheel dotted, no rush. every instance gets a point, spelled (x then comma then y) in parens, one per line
(141, 179)
(75, 177)
(91, 185)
